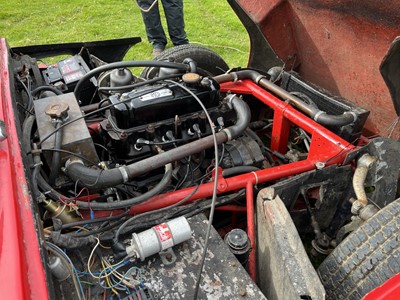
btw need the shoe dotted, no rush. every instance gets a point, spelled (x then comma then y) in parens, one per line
(157, 51)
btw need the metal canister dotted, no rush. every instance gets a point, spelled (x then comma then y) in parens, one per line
(239, 244)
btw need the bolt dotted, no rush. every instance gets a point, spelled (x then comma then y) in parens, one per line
(232, 263)
(150, 128)
(242, 292)
(168, 256)
(124, 96)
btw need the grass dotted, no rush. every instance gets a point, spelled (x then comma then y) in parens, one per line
(210, 23)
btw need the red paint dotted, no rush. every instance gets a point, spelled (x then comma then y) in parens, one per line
(164, 235)
(251, 231)
(336, 44)
(21, 271)
(390, 290)
(232, 208)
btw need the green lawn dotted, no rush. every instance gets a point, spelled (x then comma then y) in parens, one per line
(210, 23)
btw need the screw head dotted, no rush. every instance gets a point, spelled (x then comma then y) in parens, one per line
(242, 292)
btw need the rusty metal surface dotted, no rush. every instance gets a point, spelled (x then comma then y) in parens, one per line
(285, 271)
(338, 45)
(223, 276)
(76, 136)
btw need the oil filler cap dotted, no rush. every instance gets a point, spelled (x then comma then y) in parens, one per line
(191, 78)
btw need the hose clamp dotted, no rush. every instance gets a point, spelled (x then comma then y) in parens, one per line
(235, 77)
(73, 161)
(124, 173)
(228, 134)
(259, 77)
(353, 114)
(318, 114)
(229, 98)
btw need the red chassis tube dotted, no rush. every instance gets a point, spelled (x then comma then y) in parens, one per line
(326, 149)
(21, 270)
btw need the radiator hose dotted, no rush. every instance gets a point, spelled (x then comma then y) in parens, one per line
(318, 115)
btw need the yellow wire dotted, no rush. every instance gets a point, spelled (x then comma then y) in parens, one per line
(89, 264)
(108, 279)
(120, 276)
(81, 228)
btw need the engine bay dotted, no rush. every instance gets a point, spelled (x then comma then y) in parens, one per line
(123, 169)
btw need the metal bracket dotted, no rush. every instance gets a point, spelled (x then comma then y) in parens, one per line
(167, 256)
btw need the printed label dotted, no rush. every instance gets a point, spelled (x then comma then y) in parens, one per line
(164, 236)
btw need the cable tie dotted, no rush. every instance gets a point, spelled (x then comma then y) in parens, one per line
(256, 176)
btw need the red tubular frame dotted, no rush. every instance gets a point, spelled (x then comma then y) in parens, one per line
(325, 147)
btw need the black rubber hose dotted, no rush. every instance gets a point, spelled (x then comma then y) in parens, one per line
(46, 88)
(56, 159)
(94, 179)
(26, 135)
(238, 170)
(48, 189)
(98, 179)
(26, 146)
(125, 64)
(132, 201)
(334, 120)
(318, 115)
(243, 115)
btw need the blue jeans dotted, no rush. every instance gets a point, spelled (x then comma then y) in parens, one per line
(174, 15)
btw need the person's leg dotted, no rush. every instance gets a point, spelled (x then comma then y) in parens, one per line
(154, 30)
(176, 25)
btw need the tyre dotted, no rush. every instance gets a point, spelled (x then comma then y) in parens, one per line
(366, 258)
(208, 62)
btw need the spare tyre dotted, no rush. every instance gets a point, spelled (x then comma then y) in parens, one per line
(368, 257)
(208, 62)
